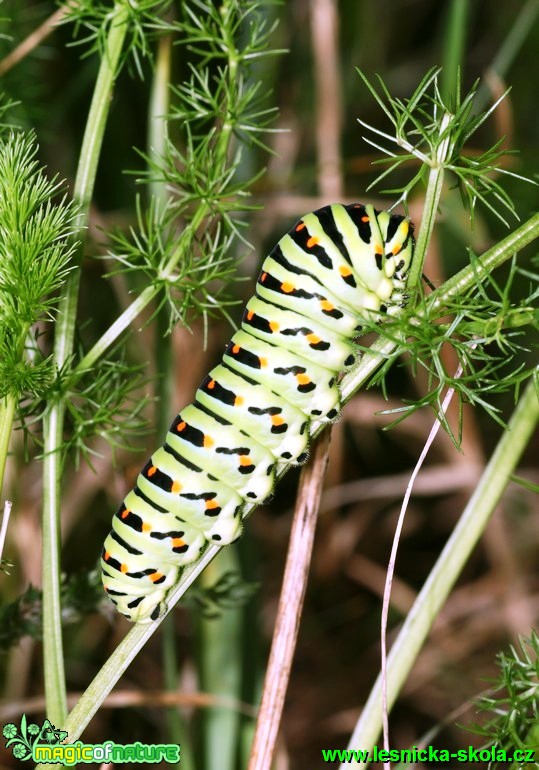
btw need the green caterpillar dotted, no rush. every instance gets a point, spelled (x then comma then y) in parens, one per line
(336, 267)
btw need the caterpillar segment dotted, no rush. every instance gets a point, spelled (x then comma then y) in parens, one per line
(334, 269)
(257, 409)
(307, 338)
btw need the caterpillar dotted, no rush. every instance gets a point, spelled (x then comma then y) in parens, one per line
(335, 268)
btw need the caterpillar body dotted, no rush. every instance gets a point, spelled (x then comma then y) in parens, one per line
(336, 267)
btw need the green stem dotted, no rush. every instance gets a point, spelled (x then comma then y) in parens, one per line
(159, 107)
(157, 139)
(129, 315)
(219, 669)
(53, 422)
(455, 40)
(447, 569)
(7, 412)
(86, 173)
(432, 199)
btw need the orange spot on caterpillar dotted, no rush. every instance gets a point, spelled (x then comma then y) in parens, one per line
(181, 426)
(287, 287)
(152, 470)
(250, 315)
(211, 384)
(208, 441)
(312, 241)
(364, 219)
(176, 487)
(300, 226)
(313, 339)
(326, 305)
(263, 277)
(263, 362)
(146, 527)
(395, 250)
(125, 513)
(177, 542)
(238, 401)
(236, 349)
(274, 326)
(106, 555)
(124, 568)
(276, 419)
(344, 270)
(245, 460)
(156, 576)
(378, 249)
(303, 379)
(210, 504)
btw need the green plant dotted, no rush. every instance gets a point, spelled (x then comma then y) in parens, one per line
(511, 707)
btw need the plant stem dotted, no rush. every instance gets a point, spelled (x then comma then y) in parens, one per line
(291, 601)
(454, 43)
(157, 138)
(7, 411)
(432, 199)
(53, 422)
(448, 567)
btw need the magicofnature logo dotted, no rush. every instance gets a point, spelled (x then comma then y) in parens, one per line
(45, 744)
(21, 739)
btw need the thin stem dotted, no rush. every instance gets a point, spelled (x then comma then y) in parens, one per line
(432, 199)
(7, 412)
(86, 173)
(159, 107)
(123, 322)
(455, 40)
(290, 607)
(148, 295)
(449, 565)
(53, 422)
(157, 137)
